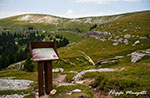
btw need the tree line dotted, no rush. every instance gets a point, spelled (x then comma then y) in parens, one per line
(14, 47)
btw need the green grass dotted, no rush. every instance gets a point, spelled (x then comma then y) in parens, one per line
(134, 77)
(72, 37)
(64, 89)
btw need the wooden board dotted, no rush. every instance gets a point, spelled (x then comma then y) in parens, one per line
(44, 54)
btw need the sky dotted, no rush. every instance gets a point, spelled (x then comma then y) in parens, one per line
(71, 8)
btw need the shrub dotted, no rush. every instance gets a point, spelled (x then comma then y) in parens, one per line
(28, 66)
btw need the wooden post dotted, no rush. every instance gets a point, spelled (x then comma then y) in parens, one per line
(40, 78)
(48, 76)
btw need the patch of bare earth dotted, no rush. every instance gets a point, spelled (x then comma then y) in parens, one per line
(60, 78)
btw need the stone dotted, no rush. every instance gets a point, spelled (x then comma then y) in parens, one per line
(77, 91)
(120, 40)
(127, 36)
(143, 37)
(104, 62)
(65, 84)
(53, 92)
(73, 72)
(69, 93)
(79, 75)
(136, 42)
(135, 56)
(126, 41)
(115, 44)
(122, 69)
(8, 83)
(118, 57)
(58, 70)
(147, 51)
(117, 37)
(79, 82)
(12, 96)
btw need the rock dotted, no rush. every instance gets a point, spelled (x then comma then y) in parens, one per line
(53, 92)
(127, 36)
(115, 44)
(73, 72)
(104, 62)
(133, 36)
(76, 91)
(58, 70)
(120, 40)
(125, 41)
(109, 38)
(136, 42)
(124, 30)
(143, 37)
(9, 83)
(136, 56)
(108, 60)
(147, 51)
(12, 96)
(65, 84)
(79, 75)
(118, 57)
(96, 35)
(122, 69)
(79, 82)
(69, 93)
(116, 37)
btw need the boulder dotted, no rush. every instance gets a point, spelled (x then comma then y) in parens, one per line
(135, 56)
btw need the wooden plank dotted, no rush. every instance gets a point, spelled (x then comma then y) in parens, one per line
(48, 76)
(40, 78)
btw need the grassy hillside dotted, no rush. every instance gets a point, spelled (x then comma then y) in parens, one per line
(134, 77)
(52, 23)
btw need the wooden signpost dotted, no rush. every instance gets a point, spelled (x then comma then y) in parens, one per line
(44, 53)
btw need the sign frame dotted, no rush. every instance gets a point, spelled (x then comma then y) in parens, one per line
(44, 65)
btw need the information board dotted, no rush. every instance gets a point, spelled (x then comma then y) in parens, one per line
(44, 54)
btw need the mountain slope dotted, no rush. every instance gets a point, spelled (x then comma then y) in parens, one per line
(52, 23)
(126, 37)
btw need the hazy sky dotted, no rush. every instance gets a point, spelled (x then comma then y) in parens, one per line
(71, 8)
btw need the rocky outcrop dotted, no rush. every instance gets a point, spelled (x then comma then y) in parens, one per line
(108, 60)
(136, 56)
(12, 96)
(79, 75)
(97, 35)
(9, 83)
